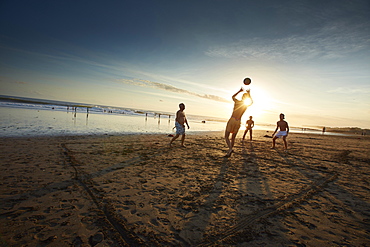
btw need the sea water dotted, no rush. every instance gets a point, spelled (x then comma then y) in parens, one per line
(36, 117)
(25, 119)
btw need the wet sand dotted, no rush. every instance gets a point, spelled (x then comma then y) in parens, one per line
(136, 191)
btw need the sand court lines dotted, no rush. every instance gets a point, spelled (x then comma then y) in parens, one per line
(190, 215)
(316, 173)
(193, 226)
(38, 196)
(136, 160)
(229, 236)
(97, 195)
(314, 211)
(142, 192)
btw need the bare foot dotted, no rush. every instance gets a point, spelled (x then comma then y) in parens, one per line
(229, 154)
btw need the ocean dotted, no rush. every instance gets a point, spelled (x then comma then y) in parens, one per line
(37, 117)
(22, 116)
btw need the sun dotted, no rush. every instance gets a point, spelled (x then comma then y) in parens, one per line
(259, 103)
(248, 101)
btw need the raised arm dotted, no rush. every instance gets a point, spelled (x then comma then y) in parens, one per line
(240, 90)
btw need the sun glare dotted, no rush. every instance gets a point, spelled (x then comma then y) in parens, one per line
(248, 101)
(261, 103)
(260, 109)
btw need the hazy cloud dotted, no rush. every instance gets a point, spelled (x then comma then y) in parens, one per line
(331, 41)
(351, 90)
(21, 82)
(167, 87)
(12, 81)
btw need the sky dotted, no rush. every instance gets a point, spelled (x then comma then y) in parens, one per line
(307, 59)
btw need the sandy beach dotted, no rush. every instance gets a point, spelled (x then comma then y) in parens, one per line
(134, 190)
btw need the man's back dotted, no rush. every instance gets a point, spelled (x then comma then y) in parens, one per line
(239, 109)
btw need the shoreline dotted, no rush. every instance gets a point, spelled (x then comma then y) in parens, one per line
(134, 190)
(189, 132)
(32, 122)
(258, 135)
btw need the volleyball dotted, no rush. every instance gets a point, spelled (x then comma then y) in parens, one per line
(247, 81)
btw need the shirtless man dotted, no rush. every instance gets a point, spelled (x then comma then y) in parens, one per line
(250, 125)
(233, 124)
(180, 124)
(283, 132)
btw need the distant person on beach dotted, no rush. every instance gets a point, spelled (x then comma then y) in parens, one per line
(283, 132)
(234, 122)
(250, 125)
(323, 130)
(180, 122)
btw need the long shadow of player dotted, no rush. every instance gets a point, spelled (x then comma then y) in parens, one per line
(194, 229)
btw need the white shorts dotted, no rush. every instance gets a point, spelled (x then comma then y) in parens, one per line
(281, 133)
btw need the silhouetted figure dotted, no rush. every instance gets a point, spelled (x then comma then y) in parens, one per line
(180, 122)
(234, 122)
(283, 132)
(250, 125)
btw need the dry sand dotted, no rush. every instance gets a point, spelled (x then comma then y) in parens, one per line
(136, 191)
